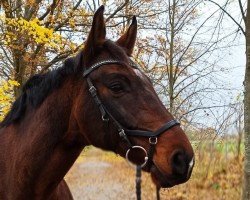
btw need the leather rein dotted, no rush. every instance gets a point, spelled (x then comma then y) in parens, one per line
(123, 132)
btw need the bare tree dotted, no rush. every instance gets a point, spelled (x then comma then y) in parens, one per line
(246, 185)
(176, 55)
(37, 35)
(245, 30)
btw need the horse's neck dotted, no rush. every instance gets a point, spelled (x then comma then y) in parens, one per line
(42, 147)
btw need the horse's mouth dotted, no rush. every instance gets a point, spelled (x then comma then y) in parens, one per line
(162, 180)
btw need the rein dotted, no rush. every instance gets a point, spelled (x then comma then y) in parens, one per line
(123, 132)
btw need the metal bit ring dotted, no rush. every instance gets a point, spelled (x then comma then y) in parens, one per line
(140, 148)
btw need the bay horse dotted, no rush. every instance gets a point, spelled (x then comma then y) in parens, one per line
(99, 97)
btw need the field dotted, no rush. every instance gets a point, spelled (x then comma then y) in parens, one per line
(103, 175)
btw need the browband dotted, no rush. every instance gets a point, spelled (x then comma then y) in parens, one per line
(106, 62)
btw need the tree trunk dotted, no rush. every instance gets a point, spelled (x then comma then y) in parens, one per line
(246, 183)
(19, 66)
(171, 59)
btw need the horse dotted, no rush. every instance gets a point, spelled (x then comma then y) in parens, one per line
(98, 97)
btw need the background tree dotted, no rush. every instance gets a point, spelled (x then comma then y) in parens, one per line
(238, 120)
(245, 30)
(246, 185)
(175, 45)
(180, 44)
(175, 52)
(36, 35)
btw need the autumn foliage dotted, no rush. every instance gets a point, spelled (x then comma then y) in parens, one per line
(36, 36)
(6, 96)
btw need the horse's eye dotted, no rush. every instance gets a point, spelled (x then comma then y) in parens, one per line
(116, 87)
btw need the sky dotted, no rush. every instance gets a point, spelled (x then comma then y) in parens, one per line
(233, 57)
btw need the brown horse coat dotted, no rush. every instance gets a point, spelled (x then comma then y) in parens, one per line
(55, 118)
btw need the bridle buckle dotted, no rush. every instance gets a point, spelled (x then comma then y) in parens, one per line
(105, 118)
(92, 90)
(152, 140)
(122, 133)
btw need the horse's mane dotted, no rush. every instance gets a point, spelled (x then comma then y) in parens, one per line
(37, 88)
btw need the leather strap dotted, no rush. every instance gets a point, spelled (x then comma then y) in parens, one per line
(143, 133)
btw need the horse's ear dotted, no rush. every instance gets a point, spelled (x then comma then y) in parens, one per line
(97, 33)
(128, 39)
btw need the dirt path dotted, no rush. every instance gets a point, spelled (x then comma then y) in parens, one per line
(95, 175)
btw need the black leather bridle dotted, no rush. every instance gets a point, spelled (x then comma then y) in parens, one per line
(124, 132)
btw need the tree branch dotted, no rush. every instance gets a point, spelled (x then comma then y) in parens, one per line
(242, 12)
(49, 9)
(65, 21)
(117, 10)
(240, 27)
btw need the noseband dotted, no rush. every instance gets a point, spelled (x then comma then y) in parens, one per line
(124, 132)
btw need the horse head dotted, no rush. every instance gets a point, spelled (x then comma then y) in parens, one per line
(122, 111)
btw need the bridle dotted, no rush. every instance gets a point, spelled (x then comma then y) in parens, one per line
(124, 132)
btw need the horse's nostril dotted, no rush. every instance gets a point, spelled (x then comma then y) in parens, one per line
(179, 162)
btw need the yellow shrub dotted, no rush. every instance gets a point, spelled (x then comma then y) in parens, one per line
(6, 96)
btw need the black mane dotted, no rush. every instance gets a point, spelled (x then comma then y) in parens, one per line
(37, 88)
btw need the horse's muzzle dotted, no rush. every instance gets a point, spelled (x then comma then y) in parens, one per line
(181, 166)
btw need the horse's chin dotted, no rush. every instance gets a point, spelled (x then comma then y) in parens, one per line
(162, 180)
